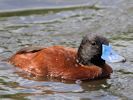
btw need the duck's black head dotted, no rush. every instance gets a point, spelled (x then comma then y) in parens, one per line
(90, 49)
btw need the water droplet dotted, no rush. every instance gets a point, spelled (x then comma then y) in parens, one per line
(76, 65)
(62, 77)
(78, 81)
(104, 86)
(68, 59)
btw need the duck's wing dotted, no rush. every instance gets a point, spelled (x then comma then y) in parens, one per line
(30, 49)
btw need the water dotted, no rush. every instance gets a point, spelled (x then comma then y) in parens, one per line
(64, 22)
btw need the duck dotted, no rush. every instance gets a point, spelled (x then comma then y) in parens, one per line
(85, 63)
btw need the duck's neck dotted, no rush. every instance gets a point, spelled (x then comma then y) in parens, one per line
(96, 60)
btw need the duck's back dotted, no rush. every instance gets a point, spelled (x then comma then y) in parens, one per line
(42, 61)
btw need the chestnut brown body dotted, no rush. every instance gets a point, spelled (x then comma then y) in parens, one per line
(59, 62)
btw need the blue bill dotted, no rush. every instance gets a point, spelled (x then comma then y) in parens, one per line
(108, 54)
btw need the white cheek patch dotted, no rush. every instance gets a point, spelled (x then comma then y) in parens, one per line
(108, 54)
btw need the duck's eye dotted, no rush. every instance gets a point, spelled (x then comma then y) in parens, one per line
(93, 43)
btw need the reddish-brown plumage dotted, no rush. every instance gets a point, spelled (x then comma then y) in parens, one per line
(59, 62)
